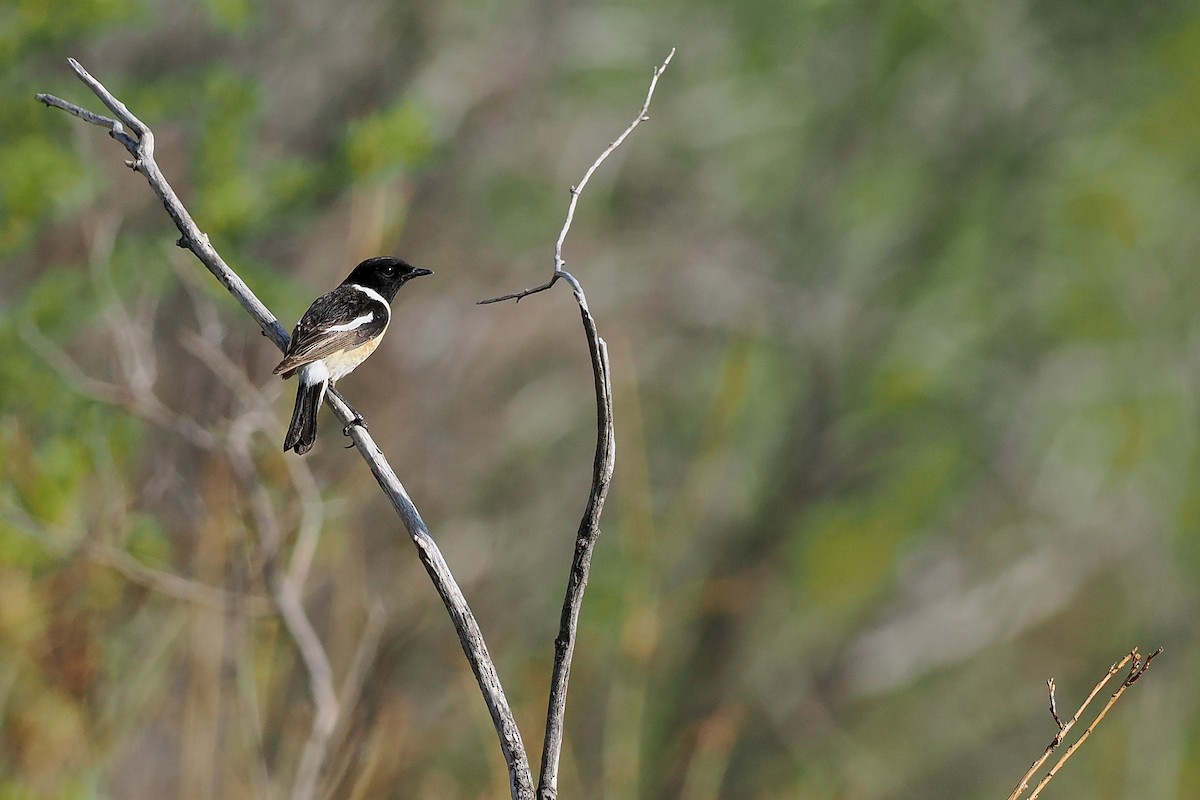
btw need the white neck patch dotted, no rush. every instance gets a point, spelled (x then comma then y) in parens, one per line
(370, 293)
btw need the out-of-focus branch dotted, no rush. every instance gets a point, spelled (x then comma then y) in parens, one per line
(144, 404)
(602, 470)
(288, 599)
(312, 510)
(140, 144)
(1137, 669)
(170, 584)
(286, 585)
(137, 396)
(364, 654)
(165, 583)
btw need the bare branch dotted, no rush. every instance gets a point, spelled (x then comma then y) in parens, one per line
(115, 129)
(1023, 784)
(1053, 704)
(168, 583)
(1136, 670)
(140, 146)
(518, 296)
(312, 510)
(117, 107)
(288, 600)
(469, 634)
(602, 469)
(576, 190)
(585, 543)
(143, 403)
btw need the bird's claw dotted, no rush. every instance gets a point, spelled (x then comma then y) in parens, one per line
(359, 421)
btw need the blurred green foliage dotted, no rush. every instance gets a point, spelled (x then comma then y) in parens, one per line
(900, 302)
(386, 141)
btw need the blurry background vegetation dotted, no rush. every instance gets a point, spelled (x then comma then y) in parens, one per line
(901, 300)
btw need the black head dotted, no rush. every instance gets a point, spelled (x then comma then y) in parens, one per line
(385, 275)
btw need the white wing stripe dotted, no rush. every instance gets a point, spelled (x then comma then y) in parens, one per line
(354, 323)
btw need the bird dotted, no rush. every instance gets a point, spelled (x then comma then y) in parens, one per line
(336, 334)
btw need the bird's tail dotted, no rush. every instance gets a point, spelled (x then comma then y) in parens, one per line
(303, 430)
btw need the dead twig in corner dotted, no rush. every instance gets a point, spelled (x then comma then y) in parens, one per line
(1137, 669)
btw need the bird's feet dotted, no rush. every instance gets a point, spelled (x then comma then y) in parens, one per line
(358, 420)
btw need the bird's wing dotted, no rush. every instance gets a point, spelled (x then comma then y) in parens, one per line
(341, 320)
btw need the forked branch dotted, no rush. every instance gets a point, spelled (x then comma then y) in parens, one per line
(577, 190)
(602, 469)
(1137, 668)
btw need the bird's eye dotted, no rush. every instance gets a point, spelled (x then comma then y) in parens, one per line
(389, 270)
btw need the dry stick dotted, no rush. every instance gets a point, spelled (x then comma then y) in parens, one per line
(311, 512)
(1053, 704)
(1023, 784)
(169, 583)
(285, 591)
(364, 654)
(1136, 670)
(326, 709)
(602, 472)
(576, 191)
(140, 145)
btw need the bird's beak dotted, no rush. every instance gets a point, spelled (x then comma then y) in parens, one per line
(418, 272)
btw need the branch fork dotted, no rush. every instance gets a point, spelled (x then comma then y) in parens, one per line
(1137, 668)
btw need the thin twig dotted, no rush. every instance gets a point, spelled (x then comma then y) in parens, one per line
(602, 472)
(1136, 670)
(165, 583)
(1053, 704)
(602, 469)
(287, 596)
(577, 189)
(312, 509)
(168, 583)
(140, 146)
(1023, 784)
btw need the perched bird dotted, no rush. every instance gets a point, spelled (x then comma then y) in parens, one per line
(336, 334)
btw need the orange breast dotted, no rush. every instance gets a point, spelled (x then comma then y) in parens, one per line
(342, 364)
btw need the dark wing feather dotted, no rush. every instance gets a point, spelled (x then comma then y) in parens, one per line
(312, 340)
